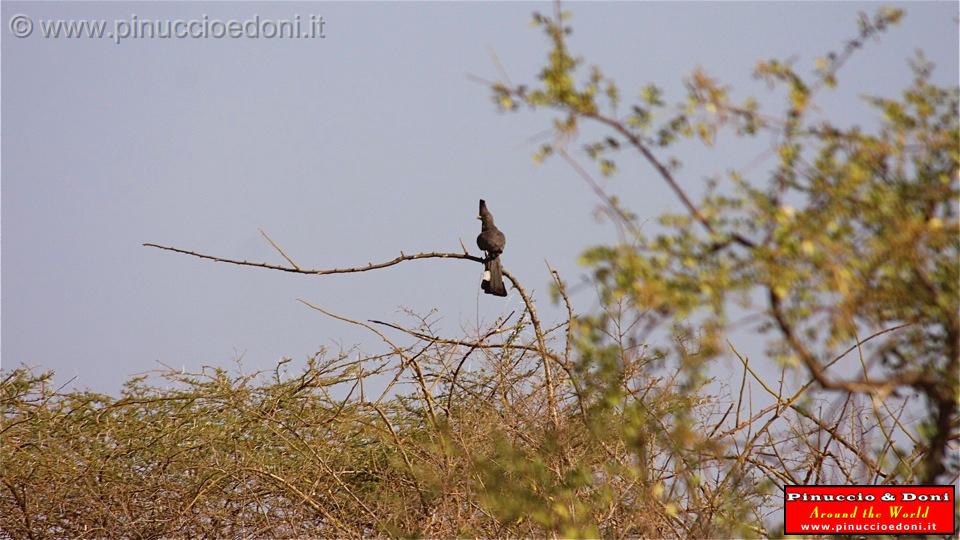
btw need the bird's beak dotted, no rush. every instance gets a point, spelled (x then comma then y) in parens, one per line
(479, 217)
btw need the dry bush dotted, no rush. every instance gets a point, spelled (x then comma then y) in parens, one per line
(433, 451)
(437, 437)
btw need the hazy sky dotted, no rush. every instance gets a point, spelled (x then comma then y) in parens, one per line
(345, 149)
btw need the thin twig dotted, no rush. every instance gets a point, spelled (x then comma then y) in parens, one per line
(279, 250)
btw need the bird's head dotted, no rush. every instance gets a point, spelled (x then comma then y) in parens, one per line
(483, 210)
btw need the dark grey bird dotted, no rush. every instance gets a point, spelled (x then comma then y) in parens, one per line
(492, 241)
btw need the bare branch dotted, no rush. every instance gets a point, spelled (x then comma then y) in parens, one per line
(406, 360)
(562, 290)
(323, 272)
(880, 388)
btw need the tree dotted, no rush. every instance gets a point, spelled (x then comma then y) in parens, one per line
(852, 234)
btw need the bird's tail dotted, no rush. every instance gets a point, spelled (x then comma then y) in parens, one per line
(493, 278)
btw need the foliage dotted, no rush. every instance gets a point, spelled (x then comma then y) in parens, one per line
(851, 232)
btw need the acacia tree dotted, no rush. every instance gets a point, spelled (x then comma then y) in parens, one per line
(852, 233)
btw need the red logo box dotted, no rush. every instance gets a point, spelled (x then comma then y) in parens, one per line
(869, 510)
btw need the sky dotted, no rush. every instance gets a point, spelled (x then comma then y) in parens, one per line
(346, 149)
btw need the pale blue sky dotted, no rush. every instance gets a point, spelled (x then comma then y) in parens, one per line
(345, 150)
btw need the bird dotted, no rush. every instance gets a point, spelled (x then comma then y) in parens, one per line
(491, 241)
